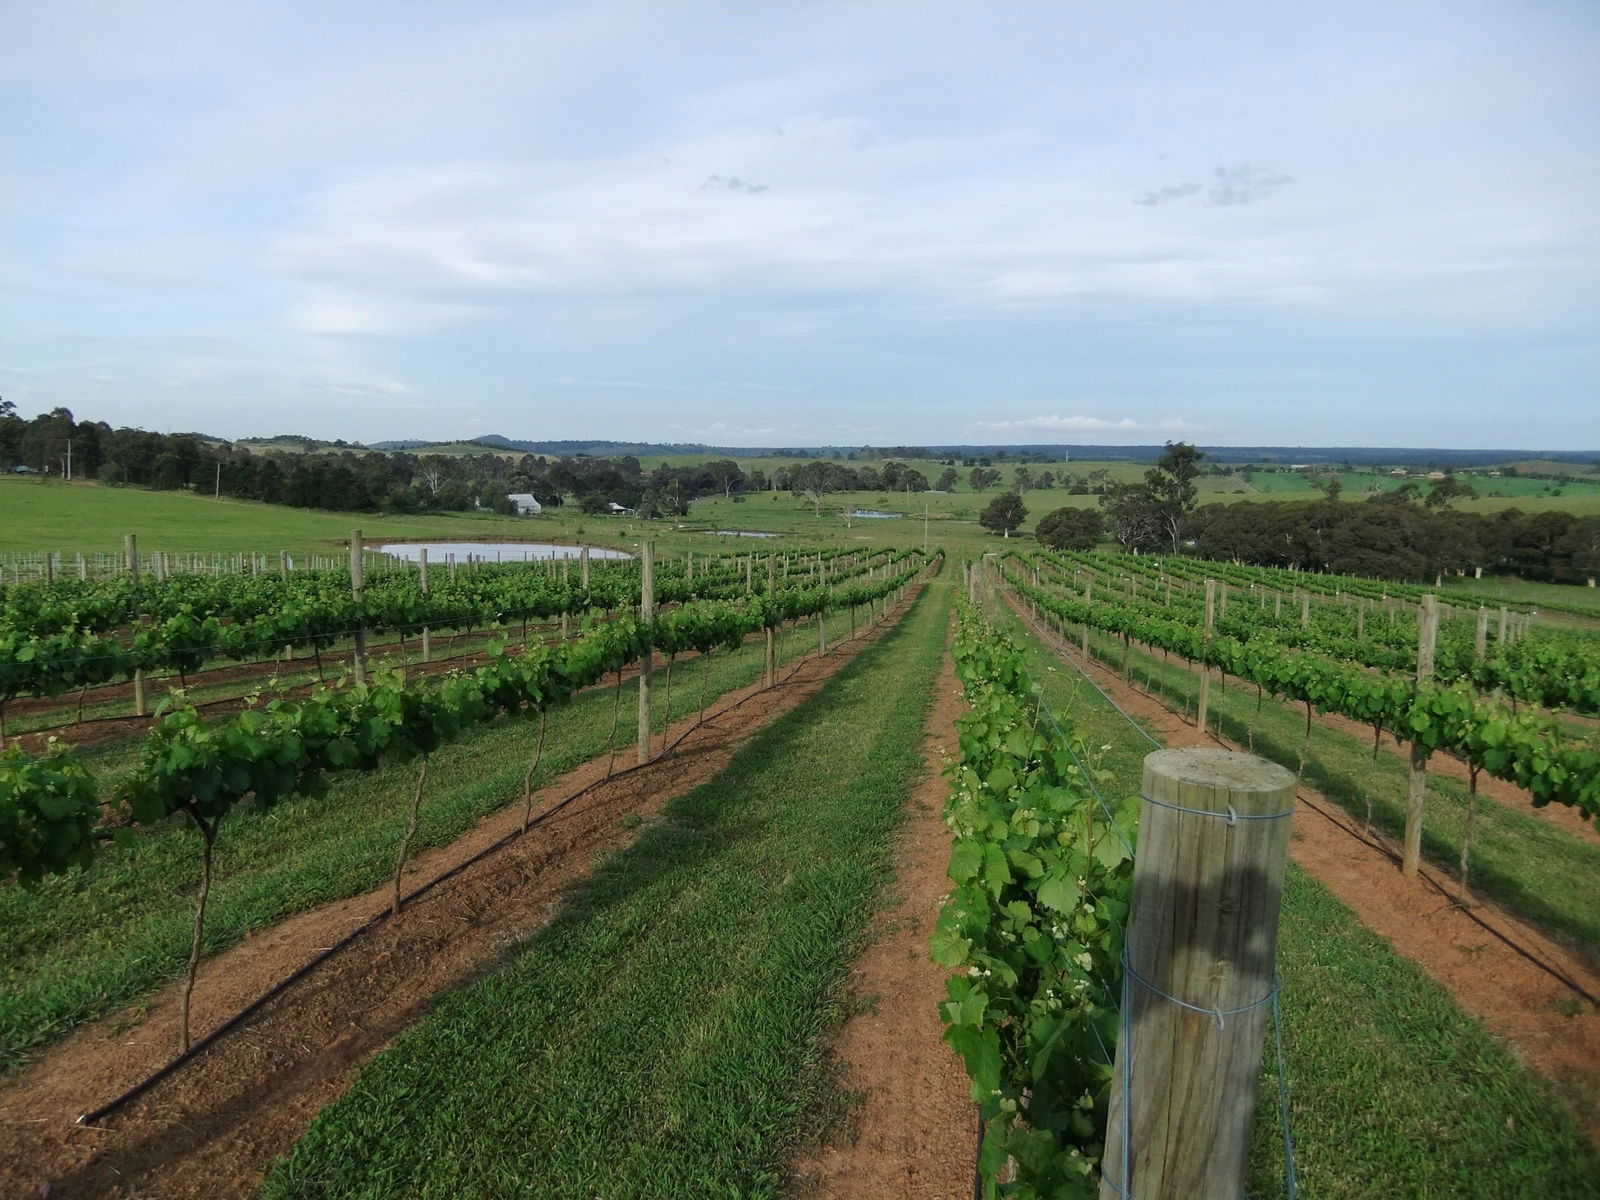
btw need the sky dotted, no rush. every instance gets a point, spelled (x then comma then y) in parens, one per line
(807, 223)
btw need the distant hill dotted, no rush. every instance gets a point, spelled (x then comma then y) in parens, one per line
(1355, 456)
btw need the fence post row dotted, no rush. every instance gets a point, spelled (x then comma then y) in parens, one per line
(1198, 974)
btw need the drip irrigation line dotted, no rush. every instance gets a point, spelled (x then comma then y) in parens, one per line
(95, 1116)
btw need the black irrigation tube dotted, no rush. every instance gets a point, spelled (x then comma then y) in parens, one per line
(1427, 877)
(94, 1116)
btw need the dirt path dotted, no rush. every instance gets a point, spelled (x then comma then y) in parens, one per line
(1550, 1030)
(213, 1128)
(914, 1134)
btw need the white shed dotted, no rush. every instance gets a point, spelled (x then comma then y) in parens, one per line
(526, 504)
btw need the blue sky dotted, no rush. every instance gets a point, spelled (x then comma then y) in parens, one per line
(1363, 224)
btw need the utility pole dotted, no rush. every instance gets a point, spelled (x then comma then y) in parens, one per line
(216, 490)
(69, 460)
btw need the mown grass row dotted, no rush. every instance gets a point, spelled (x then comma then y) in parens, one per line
(1393, 1090)
(662, 1038)
(84, 944)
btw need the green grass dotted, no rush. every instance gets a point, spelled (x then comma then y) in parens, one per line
(663, 1036)
(45, 515)
(87, 943)
(1393, 1090)
(1499, 590)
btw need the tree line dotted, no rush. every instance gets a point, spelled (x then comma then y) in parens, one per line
(1403, 534)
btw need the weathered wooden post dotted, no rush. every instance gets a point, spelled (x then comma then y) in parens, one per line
(772, 647)
(1481, 642)
(1203, 706)
(583, 565)
(422, 567)
(1417, 783)
(358, 660)
(1198, 980)
(130, 551)
(566, 611)
(647, 612)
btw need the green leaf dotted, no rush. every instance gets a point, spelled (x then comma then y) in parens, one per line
(1060, 893)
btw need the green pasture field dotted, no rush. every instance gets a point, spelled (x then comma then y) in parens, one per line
(44, 515)
(1393, 1090)
(665, 1035)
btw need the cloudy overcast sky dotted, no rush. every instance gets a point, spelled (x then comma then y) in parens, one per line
(759, 224)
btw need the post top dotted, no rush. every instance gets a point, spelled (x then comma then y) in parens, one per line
(1207, 767)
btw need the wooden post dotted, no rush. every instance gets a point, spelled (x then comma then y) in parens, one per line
(566, 612)
(358, 660)
(1481, 644)
(50, 566)
(283, 562)
(422, 567)
(749, 573)
(1277, 604)
(772, 648)
(451, 559)
(647, 612)
(1305, 610)
(1361, 618)
(583, 564)
(1417, 784)
(1204, 706)
(83, 566)
(130, 553)
(1201, 946)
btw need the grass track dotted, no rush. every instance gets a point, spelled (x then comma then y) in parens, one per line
(1393, 1090)
(84, 944)
(661, 1037)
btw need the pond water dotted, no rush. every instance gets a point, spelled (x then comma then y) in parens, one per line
(743, 533)
(439, 552)
(873, 514)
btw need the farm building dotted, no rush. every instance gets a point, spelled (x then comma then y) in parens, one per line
(527, 506)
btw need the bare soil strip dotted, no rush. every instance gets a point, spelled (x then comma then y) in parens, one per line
(913, 1134)
(1550, 1031)
(213, 1128)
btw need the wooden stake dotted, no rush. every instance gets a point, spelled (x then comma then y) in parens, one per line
(422, 567)
(358, 661)
(772, 648)
(1203, 930)
(1417, 784)
(647, 611)
(1205, 670)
